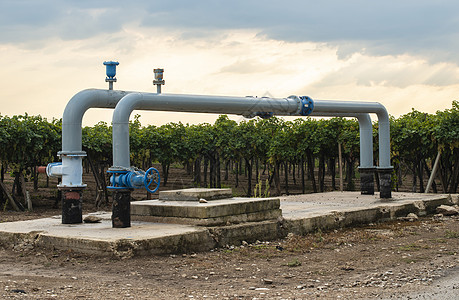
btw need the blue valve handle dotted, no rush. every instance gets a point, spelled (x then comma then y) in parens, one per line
(150, 176)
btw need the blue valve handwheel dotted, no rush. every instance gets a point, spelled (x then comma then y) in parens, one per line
(152, 176)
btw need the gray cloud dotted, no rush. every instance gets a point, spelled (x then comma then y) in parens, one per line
(419, 27)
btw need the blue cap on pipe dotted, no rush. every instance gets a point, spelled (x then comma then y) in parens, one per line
(111, 68)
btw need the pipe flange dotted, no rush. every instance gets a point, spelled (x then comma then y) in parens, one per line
(307, 105)
(72, 153)
(385, 169)
(71, 187)
(298, 103)
(367, 169)
(115, 185)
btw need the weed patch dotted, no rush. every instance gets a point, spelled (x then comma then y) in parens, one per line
(449, 234)
(294, 263)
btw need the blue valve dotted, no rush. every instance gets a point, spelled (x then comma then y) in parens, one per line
(124, 179)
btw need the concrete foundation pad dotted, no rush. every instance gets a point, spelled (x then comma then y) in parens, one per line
(101, 238)
(212, 213)
(195, 194)
(301, 214)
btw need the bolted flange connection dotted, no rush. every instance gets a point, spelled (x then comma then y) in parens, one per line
(307, 105)
(70, 169)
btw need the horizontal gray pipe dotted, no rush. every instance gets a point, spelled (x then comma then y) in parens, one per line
(244, 106)
(366, 135)
(75, 109)
(187, 103)
(333, 106)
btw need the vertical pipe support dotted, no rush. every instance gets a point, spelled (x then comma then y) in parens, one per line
(367, 180)
(384, 168)
(72, 205)
(121, 208)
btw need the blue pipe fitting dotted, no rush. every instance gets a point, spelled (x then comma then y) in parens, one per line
(128, 180)
(307, 105)
(110, 69)
(117, 180)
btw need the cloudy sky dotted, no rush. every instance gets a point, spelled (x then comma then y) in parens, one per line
(404, 53)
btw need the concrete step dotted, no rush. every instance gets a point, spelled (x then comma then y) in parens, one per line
(195, 194)
(210, 213)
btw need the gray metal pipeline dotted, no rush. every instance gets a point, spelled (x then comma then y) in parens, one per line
(71, 167)
(179, 103)
(76, 108)
(384, 169)
(249, 106)
(187, 103)
(332, 106)
(242, 106)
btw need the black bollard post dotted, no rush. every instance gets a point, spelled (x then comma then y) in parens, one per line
(121, 209)
(72, 212)
(367, 178)
(385, 182)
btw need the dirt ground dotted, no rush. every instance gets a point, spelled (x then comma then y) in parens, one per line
(382, 261)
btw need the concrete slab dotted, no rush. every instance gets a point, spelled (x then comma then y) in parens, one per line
(101, 238)
(301, 214)
(212, 213)
(301, 206)
(195, 194)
